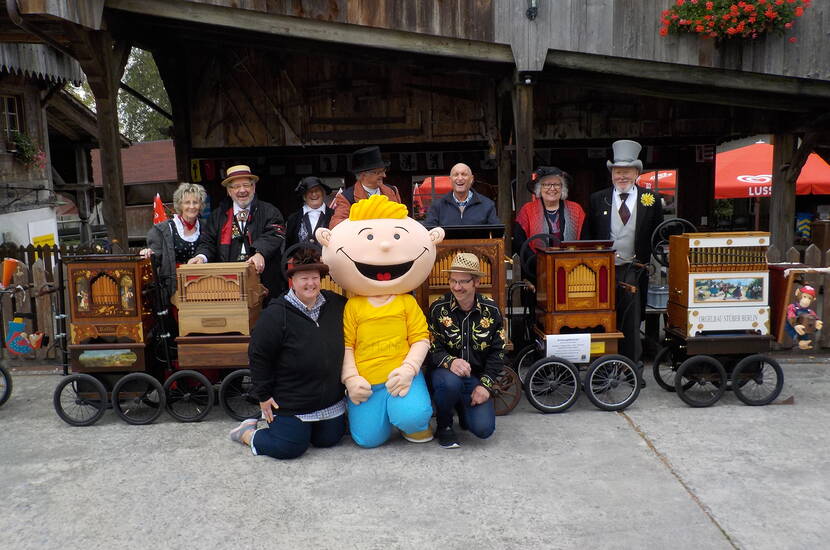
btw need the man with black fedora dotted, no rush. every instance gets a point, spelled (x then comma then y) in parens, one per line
(302, 224)
(369, 169)
(244, 229)
(627, 214)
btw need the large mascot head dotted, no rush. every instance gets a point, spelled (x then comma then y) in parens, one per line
(379, 250)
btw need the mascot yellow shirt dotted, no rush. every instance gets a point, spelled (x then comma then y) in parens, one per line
(381, 336)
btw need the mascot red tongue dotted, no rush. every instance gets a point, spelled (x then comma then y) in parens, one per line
(385, 331)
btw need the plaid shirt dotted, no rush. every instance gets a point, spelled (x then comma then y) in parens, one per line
(314, 312)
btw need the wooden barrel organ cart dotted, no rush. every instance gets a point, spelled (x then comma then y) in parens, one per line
(118, 337)
(718, 327)
(575, 312)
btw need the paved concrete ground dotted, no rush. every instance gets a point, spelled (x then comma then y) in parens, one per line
(661, 475)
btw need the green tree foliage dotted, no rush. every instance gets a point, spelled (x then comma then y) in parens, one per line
(139, 122)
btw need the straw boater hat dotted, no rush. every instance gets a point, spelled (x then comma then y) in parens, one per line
(465, 262)
(238, 171)
(626, 153)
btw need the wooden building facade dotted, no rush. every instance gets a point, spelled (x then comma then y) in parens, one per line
(293, 86)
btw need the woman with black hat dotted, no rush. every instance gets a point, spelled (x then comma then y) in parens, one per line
(296, 355)
(302, 224)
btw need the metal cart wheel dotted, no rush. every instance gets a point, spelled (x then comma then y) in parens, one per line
(757, 380)
(235, 395)
(507, 391)
(138, 398)
(665, 366)
(5, 384)
(700, 381)
(552, 385)
(80, 399)
(612, 382)
(189, 395)
(524, 359)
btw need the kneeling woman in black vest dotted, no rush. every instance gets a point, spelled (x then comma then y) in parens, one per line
(296, 354)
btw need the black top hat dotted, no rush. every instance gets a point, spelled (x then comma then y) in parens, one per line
(367, 158)
(310, 182)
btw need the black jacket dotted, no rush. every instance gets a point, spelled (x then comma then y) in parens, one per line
(265, 234)
(445, 212)
(598, 224)
(295, 360)
(477, 336)
(292, 226)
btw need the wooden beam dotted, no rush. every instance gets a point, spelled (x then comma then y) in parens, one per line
(687, 74)
(782, 201)
(523, 122)
(173, 73)
(312, 29)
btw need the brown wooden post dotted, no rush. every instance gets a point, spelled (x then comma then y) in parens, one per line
(782, 202)
(103, 60)
(500, 135)
(523, 121)
(174, 76)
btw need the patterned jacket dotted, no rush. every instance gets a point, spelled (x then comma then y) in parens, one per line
(476, 336)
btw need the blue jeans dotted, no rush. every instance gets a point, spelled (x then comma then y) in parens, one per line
(290, 437)
(449, 390)
(371, 422)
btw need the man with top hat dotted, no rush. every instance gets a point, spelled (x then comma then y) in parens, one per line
(461, 206)
(244, 229)
(467, 353)
(302, 224)
(369, 170)
(627, 214)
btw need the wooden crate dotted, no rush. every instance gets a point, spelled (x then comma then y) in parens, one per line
(218, 298)
(213, 351)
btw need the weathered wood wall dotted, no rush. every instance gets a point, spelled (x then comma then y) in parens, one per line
(470, 19)
(630, 29)
(253, 98)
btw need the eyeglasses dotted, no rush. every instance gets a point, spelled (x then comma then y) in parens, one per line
(460, 282)
(238, 186)
(551, 186)
(377, 172)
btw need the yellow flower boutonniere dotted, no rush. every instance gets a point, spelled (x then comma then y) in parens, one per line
(647, 199)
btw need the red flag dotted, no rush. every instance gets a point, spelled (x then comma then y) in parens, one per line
(159, 215)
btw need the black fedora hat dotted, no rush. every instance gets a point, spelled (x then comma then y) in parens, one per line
(310, 182)
(367, 158)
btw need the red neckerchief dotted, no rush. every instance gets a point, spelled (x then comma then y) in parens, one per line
(189, 226)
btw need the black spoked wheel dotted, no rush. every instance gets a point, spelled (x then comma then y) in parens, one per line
(138, 398)
(80, 399)
(507, 391)
(5, 384)
(235, 395)
(700, 381)
(552, 385)
(612, 382)
(524, 359)
(189, 395)
(757, 380)
(665, 366)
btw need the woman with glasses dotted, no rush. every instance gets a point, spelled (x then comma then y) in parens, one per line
(173, 242)
(548, 212)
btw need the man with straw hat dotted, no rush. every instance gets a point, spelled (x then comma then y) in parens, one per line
(244, 229)
(467, 352)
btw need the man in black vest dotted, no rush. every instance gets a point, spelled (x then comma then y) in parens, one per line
(369, 169)
(244, 229)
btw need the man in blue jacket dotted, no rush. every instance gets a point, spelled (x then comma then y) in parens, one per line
(461, 206)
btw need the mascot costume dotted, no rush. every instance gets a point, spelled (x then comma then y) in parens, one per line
(380, 255)
(802, 321)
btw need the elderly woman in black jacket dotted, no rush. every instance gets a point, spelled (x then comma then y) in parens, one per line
(174, 241)
(296, 355)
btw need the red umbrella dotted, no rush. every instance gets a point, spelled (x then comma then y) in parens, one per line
(746, 172)
(664, 180)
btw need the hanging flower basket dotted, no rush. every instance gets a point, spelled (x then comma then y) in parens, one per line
(724, 19)
(26, 151)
